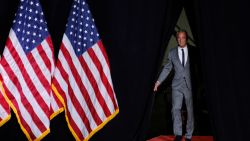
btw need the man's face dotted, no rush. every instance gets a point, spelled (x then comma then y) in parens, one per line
(182, 39)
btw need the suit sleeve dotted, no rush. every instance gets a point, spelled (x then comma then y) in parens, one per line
(166, 69)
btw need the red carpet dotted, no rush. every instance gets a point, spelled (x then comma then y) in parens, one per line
(171, 138)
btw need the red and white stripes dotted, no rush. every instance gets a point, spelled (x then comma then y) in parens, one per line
(4, 110)
(27, 84)
(84, 83)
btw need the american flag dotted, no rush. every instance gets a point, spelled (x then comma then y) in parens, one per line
(4, 108)
(82, 76)
(27, 65)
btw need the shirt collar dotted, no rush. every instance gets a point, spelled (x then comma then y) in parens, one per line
(182, 48)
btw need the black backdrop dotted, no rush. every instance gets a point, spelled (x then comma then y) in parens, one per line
(135, 33)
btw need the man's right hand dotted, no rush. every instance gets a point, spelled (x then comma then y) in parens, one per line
(157, 84)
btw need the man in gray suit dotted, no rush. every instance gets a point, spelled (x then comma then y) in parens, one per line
(179, 60)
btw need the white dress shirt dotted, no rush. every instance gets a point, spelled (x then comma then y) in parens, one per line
(185, 54)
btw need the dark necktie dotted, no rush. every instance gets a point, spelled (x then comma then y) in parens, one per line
(183, 57)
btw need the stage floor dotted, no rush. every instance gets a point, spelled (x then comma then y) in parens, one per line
(171, 138)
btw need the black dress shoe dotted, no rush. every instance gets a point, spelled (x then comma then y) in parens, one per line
(188, 139)
(178, 138)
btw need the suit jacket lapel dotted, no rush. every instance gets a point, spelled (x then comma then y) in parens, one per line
(189, 52)
(177, 56)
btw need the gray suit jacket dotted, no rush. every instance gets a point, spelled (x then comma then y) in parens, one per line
(181, 74)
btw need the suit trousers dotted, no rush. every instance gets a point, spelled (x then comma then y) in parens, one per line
(177, 98)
